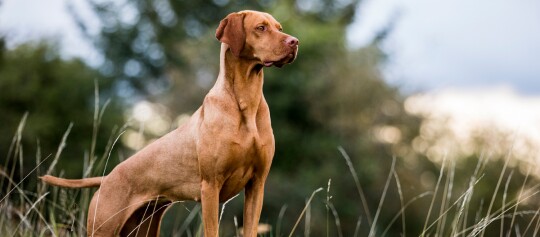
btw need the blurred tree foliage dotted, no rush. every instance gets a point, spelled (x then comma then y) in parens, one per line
(54, 92)
(331, 96)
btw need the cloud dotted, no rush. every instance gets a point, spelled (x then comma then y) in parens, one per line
(459, 43)
(33, 20)
(456, 119)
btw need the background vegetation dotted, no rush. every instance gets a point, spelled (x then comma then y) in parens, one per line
(162, 56)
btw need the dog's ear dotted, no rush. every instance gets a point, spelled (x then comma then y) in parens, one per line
(231, 32)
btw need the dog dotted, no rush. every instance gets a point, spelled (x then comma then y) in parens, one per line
(226, 146)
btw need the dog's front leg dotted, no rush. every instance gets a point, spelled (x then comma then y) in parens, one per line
(254, 192)
(210, 208)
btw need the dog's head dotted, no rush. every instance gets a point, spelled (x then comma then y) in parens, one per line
(257, 36)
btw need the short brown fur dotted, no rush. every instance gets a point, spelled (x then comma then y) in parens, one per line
(226, 146)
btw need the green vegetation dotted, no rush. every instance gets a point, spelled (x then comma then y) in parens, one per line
(53, 93)
(332, 96)
(475, 200)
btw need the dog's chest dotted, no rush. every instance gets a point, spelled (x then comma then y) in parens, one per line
(235, 147)
(251, 157)
(249, 150)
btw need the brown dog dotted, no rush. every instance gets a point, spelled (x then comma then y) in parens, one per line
(226, 146)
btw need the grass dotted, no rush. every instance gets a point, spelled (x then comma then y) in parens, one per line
(50, 211)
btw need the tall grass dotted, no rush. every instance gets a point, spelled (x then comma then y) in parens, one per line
(40, 210)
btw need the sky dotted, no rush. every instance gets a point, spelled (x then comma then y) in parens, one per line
(26, 20)
(476, 61)
(434, 45)
(456, 44)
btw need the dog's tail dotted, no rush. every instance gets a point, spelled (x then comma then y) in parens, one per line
(72, 183)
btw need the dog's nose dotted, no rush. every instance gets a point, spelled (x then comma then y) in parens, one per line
(291, 41)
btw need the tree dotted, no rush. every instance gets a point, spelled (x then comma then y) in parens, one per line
(54, 92)
(331, 96)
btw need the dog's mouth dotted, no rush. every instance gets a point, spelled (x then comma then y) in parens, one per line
(288, 58)
(279, 63)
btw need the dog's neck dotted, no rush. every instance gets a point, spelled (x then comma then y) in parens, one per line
(242, 79)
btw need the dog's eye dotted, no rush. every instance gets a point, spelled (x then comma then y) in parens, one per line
(280, 29)
(261, 28)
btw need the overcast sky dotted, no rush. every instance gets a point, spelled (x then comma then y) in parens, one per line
(457, 44)
(434, 45)
(24, 20)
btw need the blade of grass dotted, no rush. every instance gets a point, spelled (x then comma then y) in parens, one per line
(483, 223)
(154, 211)
(15, 147)
(463, 210)
(303, 211)
(441, 172)
(372, 230)
(400, 192)
(328, 197)
(403, 210)
(530, 222)
(18, 184)
(336, 219)
(60, 149)
(236, 229)
(357, 228)
(21, 172)
(307, 221)
(33, 207)
(464, 195)
(138, 228)
(537, 227)
(357, 182)
(505, 193)
(189, 219)
(95, 123)
(507, 160)
(223, 207)
(521, 191)
(279, 220)
(447, 195)
(16, 141)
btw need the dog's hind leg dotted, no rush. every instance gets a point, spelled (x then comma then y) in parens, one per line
(129, 216)
(106, 217)
(146, 220)
(109, 209)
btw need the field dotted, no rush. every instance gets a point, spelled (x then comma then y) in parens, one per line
(30, 208)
